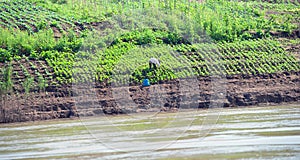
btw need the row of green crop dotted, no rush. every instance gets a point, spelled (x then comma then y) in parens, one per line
(248, 57)
(26, 16)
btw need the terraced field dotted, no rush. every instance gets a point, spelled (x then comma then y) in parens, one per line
(25, 16)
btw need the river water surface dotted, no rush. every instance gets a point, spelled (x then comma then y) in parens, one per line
(229, 133)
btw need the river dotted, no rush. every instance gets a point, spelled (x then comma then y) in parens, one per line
(271, 132)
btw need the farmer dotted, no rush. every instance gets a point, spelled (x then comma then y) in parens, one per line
(153, 62)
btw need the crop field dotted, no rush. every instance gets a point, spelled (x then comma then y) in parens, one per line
(55, 42)
(24, 16)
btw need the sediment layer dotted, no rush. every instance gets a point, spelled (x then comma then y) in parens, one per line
(204, 92)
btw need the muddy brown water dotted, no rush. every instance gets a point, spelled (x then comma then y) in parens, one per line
(271, 132)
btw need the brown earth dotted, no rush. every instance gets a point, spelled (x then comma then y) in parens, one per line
(82, 100)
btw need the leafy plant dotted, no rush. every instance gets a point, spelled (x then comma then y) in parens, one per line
(28, 84)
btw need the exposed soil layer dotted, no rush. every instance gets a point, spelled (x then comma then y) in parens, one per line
(205, 92)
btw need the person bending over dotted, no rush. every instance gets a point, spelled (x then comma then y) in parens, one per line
(153, 62)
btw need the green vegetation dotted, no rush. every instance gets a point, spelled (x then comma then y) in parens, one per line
(23, 15)
(112, 41)
(17, 44)
(6, 83)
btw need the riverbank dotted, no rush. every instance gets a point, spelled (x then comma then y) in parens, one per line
(65, 102)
